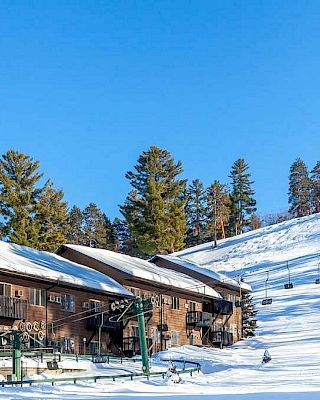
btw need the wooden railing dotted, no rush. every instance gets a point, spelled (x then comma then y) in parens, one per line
(13, 307)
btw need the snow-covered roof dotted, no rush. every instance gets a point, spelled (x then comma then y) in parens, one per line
(146, 270)
(23, 260)
(212, 275)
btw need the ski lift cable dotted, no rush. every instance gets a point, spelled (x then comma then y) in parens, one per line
(104, 313)
(278, 267)
(79, 319)
(76, 314)
(131, 316)
(317, 281)
(67, 319)
(121, 315)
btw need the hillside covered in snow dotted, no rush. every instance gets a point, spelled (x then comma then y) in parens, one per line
(261, 248)
(289, 327)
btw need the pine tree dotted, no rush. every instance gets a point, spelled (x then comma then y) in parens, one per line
(127, 243)
(154, 209)
(95, 228)
(249, 312)
(195, 212)
(218, 210)
(112, 237)
(255, 222)
(51, 218)
(242, 204)
(315, 188)
(76, 229)
(299, 189)
(18, 197)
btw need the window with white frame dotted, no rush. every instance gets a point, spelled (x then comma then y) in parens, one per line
(5, 289)
(37, 297)
(67, 345)
(68, 303)
(175, 303)
(95, 305)
(192, 306)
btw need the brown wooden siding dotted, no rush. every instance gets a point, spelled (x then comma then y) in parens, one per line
(175, 319)
(61, 324)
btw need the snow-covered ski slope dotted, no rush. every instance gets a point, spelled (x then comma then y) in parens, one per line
(289, 328)
(262, 248)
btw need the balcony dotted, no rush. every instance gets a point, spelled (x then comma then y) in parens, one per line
(222, 307)
(12, 307)
(131, 345)
(199, 319)
(94, 323)
(221, 337)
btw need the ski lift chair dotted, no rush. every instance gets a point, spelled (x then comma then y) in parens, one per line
(267, 300)
(288, 285)
(317, 281)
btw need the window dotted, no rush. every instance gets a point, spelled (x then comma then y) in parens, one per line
(68, 303)
(37, 297)
(95, 305)
(175, 303)
(192, 306)
(5, 289)
(93, 347)
(67, 345)
(134, 331)
(175, 339)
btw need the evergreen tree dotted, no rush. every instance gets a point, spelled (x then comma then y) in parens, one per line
(255, 222)
(299, 189)
(315, 188)
(242, 205)
(218, 210)
(126, 242)
(154, 209)
(195, 212)
(18, 197)
(51, 218)
(95, 228)
(76, 229)
(249, 312)
(112, 237)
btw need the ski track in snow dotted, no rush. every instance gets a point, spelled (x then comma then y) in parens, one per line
(289, 329)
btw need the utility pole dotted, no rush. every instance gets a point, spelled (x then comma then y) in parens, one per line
(161, 323)
(16, 355)
(142, 336)
(99, 332)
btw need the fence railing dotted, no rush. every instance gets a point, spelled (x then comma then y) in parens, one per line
(195, 369)
(13, 307)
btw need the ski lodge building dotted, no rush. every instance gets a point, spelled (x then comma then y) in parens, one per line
(187, 309)
(47, 296)
(79, 301)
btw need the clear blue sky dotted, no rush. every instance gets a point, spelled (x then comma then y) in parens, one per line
(86, 86)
